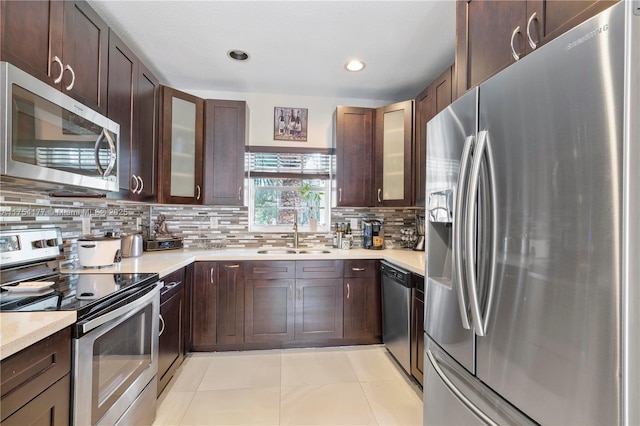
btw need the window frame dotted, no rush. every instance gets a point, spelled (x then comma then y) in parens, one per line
(326, 175)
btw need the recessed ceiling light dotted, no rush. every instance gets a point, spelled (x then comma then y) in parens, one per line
(354, 66)
(238, 55)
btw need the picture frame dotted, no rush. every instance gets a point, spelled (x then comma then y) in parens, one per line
(290, 124)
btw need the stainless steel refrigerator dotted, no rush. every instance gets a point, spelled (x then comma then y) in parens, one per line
(533, 237)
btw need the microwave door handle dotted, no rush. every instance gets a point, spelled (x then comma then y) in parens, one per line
(112, 153)
(461, 189)
(470, 233)
(96, 152)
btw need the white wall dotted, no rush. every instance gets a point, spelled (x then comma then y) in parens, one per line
(321, 128)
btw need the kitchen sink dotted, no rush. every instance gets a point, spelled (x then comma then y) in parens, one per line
(289, 251)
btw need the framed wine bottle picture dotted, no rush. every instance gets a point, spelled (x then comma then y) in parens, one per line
(290, 124)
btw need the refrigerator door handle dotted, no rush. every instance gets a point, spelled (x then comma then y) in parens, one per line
(456, 392)
(493, 223)
(470, 232)
(458, 222)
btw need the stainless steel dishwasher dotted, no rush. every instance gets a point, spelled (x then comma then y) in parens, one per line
(396, 313)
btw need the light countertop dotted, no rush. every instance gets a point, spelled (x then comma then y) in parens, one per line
(165, 262)
(19, 330)
(22, 329)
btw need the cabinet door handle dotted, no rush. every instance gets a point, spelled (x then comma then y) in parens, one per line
(162, 324)
(513, 49)
(237, 265)
(358, 269)
(198, 192)
(339, 195)
(59, 62)
(239, 193)
(211, 275)
(290, 292)
(137, 183)
(348, 290)
(141, 184)
(531, 42)
(73, 77)
(299, 293)
(379, 191)
(172, 284)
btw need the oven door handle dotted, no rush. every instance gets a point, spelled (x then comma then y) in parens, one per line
(116, 313)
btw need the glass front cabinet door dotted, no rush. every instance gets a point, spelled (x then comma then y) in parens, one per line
(182, 148)
(393, 138)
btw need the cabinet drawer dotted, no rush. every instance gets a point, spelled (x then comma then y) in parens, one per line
(319, 269)
(268, 270)
(52, 406)
(32, 370)
(173, 283)
(360, 268)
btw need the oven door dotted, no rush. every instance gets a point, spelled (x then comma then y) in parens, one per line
(115, 360)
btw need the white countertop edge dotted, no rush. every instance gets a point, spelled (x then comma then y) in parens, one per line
(166, 262)
(19, 330)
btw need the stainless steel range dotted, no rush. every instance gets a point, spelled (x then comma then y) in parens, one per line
(115, 338)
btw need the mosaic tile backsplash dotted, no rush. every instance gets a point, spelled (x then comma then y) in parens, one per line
(20, 210)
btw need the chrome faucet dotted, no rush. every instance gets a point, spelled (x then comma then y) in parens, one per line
(295, 229)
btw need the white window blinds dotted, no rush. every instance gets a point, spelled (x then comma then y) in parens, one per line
(305, 165)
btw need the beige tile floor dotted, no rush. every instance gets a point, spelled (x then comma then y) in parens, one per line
(355, 385)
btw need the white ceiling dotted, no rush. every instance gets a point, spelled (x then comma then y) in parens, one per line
(296, 47)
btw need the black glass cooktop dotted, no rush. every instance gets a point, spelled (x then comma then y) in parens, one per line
(83, 293)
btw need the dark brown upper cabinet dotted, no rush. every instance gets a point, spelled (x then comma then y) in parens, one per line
(491, 35)
(433, 99)
(144, 150)
(225, 135)
(354, 156)
(393, 147)
(63, 43)
(132, 102)
(180, 164)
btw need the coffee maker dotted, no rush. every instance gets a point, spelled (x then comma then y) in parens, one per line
(372, 234)
(420, 232)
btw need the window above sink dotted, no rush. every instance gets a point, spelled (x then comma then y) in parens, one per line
(275, 180)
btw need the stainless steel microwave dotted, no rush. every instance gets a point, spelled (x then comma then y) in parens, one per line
(52, 139)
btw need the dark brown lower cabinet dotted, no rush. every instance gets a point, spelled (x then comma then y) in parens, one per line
(362, 300)
(187, 322)
(417, 329)
(270, 304)
(318, 309)
(269, 310)
(217, 305)
(269, 288)
(230, 320)
(171, 340)
(51, 407)
(204, 306)
(35, 383)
